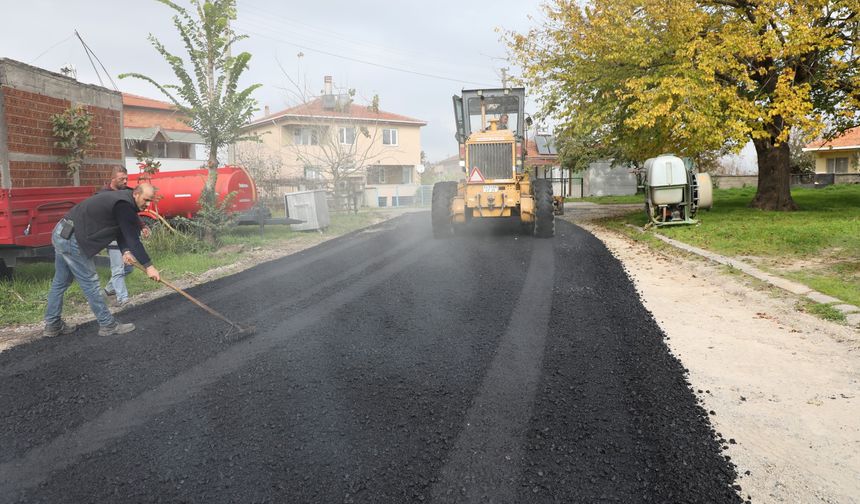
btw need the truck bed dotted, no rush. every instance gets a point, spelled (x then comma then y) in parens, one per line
(28, 215)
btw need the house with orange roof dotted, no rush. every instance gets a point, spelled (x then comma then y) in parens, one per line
(156, 128)
(839, 156)
(345, 147)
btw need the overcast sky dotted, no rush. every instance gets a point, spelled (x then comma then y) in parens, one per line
(452, 42)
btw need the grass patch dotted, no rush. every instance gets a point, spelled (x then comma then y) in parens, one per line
(819, 245)
(22, 300)
(612, 200)
(821, 310)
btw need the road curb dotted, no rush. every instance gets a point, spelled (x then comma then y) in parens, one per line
(851, 312)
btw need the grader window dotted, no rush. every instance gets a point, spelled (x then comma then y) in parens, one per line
(502, 109)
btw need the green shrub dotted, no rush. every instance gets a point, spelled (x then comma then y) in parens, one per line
(163, 241)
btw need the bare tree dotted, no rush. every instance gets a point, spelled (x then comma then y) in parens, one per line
(264, 167)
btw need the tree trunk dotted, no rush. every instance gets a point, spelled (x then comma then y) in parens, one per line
(774, 177)
(209, 235)
(212, 164)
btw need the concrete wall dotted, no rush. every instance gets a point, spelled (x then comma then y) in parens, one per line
(167, 164)
(602, 178)
(734, 181)
(29, 96)
(373, 193)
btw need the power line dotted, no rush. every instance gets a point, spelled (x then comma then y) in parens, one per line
(266, 15)
(53, 46)
(90, 51)
(365, 62)
(96, 70)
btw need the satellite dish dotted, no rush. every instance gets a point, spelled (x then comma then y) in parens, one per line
(419, 168)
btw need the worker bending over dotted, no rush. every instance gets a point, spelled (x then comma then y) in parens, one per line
(84, 232)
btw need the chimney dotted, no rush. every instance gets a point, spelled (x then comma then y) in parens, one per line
(266, 110)
(328, 90)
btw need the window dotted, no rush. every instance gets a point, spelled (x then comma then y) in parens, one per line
(305, 136)
(157, 149)
(347, 136)
(407, 175)
(389, 136)
(837, 165)
(372, 174)
(495, 107)
(313, 173)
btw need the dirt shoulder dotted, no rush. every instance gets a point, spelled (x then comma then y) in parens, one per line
(783, 386)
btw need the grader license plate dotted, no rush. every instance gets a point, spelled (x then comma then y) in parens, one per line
(488, 188)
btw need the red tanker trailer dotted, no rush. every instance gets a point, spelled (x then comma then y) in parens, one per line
(179, 191)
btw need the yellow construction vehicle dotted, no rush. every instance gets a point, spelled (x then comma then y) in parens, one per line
(491, 131)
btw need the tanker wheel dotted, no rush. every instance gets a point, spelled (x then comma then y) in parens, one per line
(440, 211)
(544, 215)
(6, 273)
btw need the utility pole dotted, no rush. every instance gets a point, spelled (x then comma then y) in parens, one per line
(505, 78)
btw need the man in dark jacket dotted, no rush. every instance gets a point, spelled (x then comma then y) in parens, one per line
(84, 232)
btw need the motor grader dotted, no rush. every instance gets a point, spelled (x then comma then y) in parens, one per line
(491, 132)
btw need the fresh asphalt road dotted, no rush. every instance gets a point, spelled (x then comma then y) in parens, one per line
(387, 367)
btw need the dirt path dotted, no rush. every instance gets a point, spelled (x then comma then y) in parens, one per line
(783, 385)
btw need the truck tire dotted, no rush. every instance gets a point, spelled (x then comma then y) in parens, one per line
(440, 211)
(6, 272)
(544, 215)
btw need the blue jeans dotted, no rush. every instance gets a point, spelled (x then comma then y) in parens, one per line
(71, 264)
(118, 272)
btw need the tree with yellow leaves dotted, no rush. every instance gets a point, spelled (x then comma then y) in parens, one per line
(635, 78)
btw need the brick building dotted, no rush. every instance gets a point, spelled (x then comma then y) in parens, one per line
(29, 96)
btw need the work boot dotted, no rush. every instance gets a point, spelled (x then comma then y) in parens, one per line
(57, 329)
(120, 304)
(107, 293)
(116, 328)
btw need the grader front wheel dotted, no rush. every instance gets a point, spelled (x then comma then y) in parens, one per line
(440, 211)
(544, 215)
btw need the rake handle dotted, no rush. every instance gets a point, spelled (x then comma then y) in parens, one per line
(189, 297)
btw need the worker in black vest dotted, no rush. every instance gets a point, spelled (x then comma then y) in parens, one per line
(84, 232)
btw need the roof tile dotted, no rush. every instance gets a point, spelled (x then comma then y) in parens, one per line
(131, 100)
(355, 112)
(850, 138)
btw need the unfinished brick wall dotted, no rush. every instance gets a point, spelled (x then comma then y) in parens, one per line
(29, 97)
(30, 131)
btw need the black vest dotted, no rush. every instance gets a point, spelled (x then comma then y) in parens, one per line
(95, 224)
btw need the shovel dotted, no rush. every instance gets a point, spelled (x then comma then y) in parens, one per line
(235, 329)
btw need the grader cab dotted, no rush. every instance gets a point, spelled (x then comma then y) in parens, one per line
(491, 131)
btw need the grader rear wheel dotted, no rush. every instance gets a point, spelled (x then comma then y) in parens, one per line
(440, 210)
(544, 215)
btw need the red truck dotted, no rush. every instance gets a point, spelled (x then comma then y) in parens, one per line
(27, 218)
